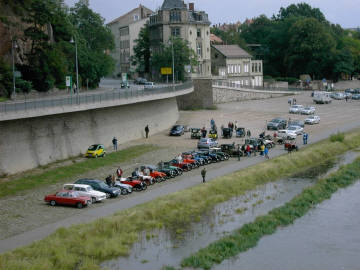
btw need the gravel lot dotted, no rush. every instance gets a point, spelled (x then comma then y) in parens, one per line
(27, 211)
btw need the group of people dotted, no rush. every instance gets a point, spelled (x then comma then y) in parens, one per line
(111, 178)
(292, 101)
(264, 151)
(115, 140)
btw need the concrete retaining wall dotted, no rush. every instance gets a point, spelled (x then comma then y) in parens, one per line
(200, 98)
(223, 94)
(26, 144)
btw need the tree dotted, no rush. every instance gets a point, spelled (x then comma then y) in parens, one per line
(141, 58)
(183, 55)
(310, 47)
(300, 10)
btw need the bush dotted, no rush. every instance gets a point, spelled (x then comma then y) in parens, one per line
(338, 137)
(23, 86)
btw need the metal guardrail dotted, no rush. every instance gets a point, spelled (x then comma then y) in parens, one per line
(247, 87)
(76, 100)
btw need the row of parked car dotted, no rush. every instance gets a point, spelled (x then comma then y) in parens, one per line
(85, 192)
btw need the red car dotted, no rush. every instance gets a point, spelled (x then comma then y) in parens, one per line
(134, 182)
(68, 197)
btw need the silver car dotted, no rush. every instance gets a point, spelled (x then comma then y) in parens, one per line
(308, 110)
(296, 108)
(311, 120)
(207, 143)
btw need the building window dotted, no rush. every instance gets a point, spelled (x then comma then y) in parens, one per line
(136, 17)
(232, 68)
(199, 49)
(239, 68)
(124, 31)
(235, 69)
(229, 69)
(175, 31)
(199, 33)
(175, 16)
(246, 82)
(246, 68)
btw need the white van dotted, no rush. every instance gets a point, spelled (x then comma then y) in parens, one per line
(322, 97)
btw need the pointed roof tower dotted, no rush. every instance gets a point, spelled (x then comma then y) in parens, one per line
(171, 4)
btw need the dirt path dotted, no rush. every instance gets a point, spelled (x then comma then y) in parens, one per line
(25, 218)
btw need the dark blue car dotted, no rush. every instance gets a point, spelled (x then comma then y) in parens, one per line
(177, 130)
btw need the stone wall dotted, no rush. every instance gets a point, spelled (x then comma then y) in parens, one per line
(26, 144)
(223, 95)
(200, 98)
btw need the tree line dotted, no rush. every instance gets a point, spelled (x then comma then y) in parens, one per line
(47, 29)
(299, 40)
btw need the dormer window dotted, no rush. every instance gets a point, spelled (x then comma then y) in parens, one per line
(136, 17)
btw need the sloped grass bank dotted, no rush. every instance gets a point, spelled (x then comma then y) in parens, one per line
(60, 174)
(249, 235)
(86, 246)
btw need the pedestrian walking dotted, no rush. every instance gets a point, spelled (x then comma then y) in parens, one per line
(147, 130)
(212, 123)
(294, 101)
(305, 138)
(203, 174)
(289, 101)
(248, 150)
(266, 153)
(346, 98)
(248, 133)
(115, 143)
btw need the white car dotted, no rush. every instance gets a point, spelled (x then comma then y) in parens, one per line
(86, 190)
(122, 186)
(295, 129)
(285, 134)
(337, 95)
(296, 108)
(149, 85)
(308, 110)
(313, 119)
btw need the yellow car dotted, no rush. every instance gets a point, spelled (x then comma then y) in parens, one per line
(96, 150)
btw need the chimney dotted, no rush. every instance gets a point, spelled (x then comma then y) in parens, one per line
(191, 6)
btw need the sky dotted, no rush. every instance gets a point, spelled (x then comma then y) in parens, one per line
(343, 12)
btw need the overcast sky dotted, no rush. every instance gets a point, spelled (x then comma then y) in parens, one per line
(343, 12)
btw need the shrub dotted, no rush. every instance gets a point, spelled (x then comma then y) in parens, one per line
(338, 137)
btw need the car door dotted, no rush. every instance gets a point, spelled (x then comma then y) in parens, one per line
(81, 191)
(66, 198)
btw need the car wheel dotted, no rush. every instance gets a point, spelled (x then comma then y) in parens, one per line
(52, 203)
(89, 203)
(93, 200)
(138, 188)
(79, 205)
(227, 157)
(124, 191)
(144, 187)
(107, 195)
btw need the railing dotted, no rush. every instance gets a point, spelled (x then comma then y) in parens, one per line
(81, 99)
(231, 84)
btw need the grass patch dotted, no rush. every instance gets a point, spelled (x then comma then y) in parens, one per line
(249, 235)
(2, 99)
(338, 137)
(85, 246)
(61, 174)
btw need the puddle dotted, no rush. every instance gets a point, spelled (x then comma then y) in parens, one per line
(166, 250)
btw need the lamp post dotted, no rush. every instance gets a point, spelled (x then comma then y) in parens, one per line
(13, 46)
(73, 40)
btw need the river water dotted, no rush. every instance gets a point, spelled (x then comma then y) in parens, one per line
(167, 250)
(327, 238)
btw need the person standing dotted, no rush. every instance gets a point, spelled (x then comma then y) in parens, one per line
(147, 130)
(305, 138)
(248, 150)
(203, 174)
(212, 123)
(266, 152)
(115, 143)
(248, 133)
(289, 101)
(119, 172)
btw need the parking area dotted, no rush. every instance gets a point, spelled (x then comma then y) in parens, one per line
(28, 211)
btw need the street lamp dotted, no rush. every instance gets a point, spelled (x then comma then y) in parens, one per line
(73, 40)
(13, 47)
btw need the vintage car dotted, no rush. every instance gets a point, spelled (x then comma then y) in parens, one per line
(154, 173)
(213, 134)
(135, 182)
(68, 197)
(87, 191)
(232, 149)
(240, 132)
(177, 130)
(96, 150)
(227, 133)
(195, 133)
(100, 186)
(277, 124)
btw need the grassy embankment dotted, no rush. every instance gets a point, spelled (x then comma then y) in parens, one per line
(85, 246)
(249, 235)
(60, 174)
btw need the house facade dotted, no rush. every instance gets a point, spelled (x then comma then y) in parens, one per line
(126, 30)
(176, 19)
(232, 63)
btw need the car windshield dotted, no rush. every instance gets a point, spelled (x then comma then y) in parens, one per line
(311, 117)
(93, 147)
(292, 128)
(276, 120)
(176, 127)
(103, 185)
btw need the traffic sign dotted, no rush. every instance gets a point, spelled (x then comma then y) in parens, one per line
(166, 70)
(68, 81)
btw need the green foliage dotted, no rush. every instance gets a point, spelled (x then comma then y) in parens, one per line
(338, 137)
(290, 80)
(142, 54)
(5, 79)
(23, 86)
(249, 235)
(299, 40)
(183, 55)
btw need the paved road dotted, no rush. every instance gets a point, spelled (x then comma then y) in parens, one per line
(183, 182)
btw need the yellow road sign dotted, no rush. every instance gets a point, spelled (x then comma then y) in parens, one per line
(166, 70)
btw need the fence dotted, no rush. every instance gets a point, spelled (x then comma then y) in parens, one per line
(231, 84)
(76, 100)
